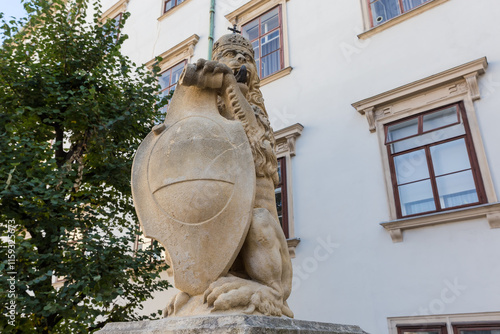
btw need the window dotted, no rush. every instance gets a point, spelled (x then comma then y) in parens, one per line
(168, 80)
(426, 329)
(264, 23)
(115, 14)
(484, 328)
(116, 24)
(379, 15)
(433, 159)
(433, 164)
(463, 323)
(169, 4)
(285, 150)
(383, 10)
(172, 63)
(265, 34)
(281, 196)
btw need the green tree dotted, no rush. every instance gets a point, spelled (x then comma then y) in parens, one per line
(73, 110)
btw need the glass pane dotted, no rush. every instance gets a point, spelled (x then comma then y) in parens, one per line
(176, 73)
(484, 331)
(279, 172)
(457, 189)
(169, 4)
(270, 43)
(279, 204)
(165, 79)
(270, 21)
(271, 63)
(383, 10)
(402, 130)
(256, 49)
(411, 167)
(116, 21)
(450, 157)
(251, 30)
(410, 4)
(416, 198)
(428, 138)
(440, 118)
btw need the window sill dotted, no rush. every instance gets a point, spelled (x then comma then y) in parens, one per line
(490, 211)
(292, 244)
(276, 76)
(400, 18)
(171, 11)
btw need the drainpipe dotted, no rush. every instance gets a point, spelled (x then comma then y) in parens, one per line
(211, 31)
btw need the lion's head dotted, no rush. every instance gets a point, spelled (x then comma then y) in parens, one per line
(235, 51)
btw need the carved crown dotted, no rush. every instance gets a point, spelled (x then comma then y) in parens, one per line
(232, 40)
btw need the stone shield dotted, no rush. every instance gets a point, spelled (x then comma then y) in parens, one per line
(193, 186)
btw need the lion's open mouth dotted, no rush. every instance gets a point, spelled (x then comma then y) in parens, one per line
(242, 74)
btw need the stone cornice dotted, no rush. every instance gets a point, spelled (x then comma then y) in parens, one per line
(489, 211)
(251, 9)
(285, 138)
(467, 72)
(477, 66)
(119, 7)
(183, 50)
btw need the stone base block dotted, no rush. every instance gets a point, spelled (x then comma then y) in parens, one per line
(228, 324)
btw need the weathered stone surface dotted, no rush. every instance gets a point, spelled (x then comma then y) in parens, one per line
(229, 324)
(203, 186)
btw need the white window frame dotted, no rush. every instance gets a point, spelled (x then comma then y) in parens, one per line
(458, 84)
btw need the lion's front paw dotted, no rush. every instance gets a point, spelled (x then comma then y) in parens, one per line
(232, 292)
(176, 304)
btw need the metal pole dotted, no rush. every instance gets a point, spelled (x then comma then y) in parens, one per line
(211, 31)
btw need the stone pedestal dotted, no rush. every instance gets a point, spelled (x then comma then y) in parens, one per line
(228, 324)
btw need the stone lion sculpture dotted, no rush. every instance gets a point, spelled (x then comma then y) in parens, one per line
(203, 185)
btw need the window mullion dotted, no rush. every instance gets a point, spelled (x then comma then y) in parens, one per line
(260, 47)
(395, 189)
(432, 176)
(401, 7)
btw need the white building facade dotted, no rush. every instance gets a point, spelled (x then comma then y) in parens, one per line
(387, 116)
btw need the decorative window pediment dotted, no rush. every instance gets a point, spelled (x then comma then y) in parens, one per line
(264, 23)
(402, 109)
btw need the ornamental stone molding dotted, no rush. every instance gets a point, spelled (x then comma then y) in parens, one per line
(285, 148)
(117, 8)
(285, 139)
(182, 51)
(458, 84)
(457, 81)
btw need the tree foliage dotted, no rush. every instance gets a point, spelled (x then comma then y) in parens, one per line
(73, 110)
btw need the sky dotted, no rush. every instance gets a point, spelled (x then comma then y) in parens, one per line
(12, 8)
